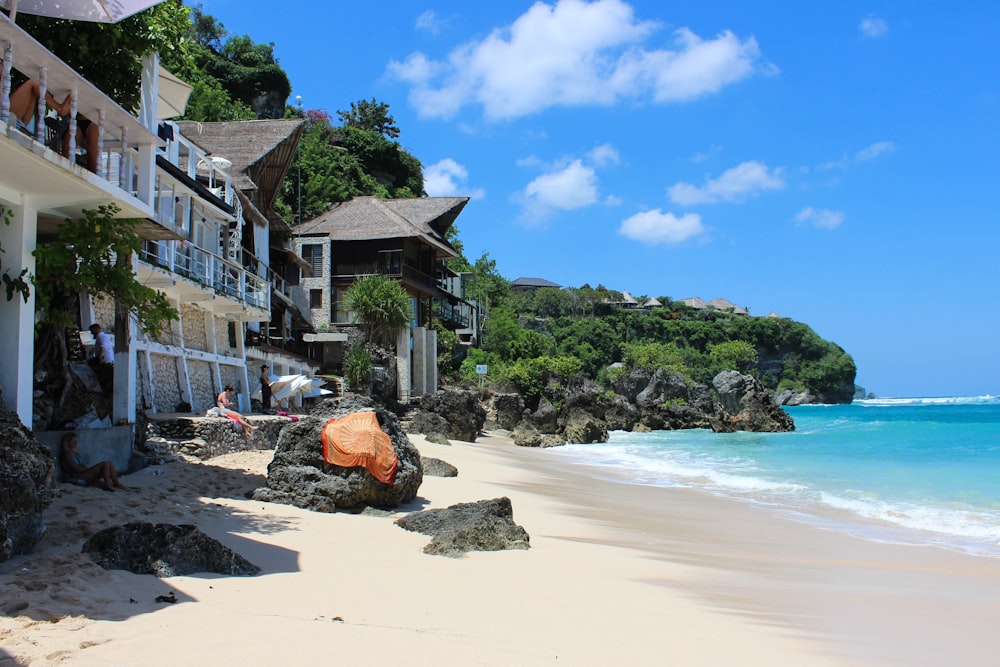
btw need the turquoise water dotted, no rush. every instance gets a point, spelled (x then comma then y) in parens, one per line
(921, 471)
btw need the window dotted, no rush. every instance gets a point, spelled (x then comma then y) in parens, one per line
(312, 253)
(315, 298)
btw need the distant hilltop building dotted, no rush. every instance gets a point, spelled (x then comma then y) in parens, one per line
(716, 304)
(531, 284)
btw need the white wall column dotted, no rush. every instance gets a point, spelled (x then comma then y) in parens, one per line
(403, 366)
(126, 374)
(17, 317)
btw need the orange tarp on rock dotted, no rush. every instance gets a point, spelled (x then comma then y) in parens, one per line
(358, 440)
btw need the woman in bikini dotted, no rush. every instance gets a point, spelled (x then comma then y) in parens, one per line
(75, 469)
(224, 401)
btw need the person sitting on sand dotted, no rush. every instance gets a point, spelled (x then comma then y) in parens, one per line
(224, 401)
(76, 471)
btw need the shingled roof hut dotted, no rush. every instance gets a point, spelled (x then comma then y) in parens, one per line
(260, 151)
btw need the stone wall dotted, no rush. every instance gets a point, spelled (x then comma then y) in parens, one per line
(207, 437)
(104, 314)
(222, 337)
(167, 382)
(203, 389)
(193, 321)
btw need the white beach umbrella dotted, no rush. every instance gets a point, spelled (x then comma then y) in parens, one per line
(95, 11)
(172, 96)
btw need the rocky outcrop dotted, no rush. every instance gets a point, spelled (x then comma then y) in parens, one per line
(503, 411)
(745, 405)
(789, 397)
(462, 414)
(486, 525)
(437, 468)
(300, 476)
(164, 550)
(27, 486)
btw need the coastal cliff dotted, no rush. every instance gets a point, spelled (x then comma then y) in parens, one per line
(582, 412)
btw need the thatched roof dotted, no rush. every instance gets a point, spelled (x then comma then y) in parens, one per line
(628, 298)
(695, 302)
(367, 218)
(653, 302)
(260, 150)
(726, 304)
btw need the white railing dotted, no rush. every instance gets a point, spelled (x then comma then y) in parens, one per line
(207, 269)
(120, 135)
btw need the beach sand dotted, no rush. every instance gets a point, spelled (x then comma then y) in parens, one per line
(616, 574)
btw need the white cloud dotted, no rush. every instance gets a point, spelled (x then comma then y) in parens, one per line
(873, 26)
(604, 155)
(655, 227)
(571, 187)
(574, 53)
(430, 22)
(744, 180)
(820, 218)
(873, 151)
(613, 200)
(446, 178)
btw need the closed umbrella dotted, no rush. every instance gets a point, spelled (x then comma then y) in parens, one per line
(95, 11)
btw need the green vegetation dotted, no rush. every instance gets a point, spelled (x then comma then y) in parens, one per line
(382, 306)
(91, 255)
(358, 368)
(526, 332)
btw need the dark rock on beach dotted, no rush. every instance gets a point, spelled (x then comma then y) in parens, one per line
(300, 476)
(27, 486)
(485, 525)
(164, 550)
(438, 468)
(745, 405)
(457, 414)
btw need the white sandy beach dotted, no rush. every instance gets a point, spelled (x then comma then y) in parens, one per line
(616, 573)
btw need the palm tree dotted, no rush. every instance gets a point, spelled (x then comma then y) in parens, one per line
(382, 306)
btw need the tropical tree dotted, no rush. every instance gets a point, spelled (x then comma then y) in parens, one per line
(737, 355)
(108, 54)
(373, 116)
(381, 305)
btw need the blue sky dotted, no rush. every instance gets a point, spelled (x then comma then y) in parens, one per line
(834, 162)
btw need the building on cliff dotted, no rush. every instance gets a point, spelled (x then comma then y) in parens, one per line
(405, 240)
(211, 241)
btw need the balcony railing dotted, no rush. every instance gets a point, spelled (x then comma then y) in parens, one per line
(455, 315)
(121, 135)
(209, 270)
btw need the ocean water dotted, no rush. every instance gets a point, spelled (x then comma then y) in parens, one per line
(918, 471)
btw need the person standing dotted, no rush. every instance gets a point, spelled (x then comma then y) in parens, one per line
(103, 360)
(265, 389)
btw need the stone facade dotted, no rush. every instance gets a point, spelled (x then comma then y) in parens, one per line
(208, 437)
(167, 389)
(203, 386)
(193, 322)
(321, 281)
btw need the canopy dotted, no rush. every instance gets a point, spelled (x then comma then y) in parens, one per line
(173, 95)
(95, 11)
(284, 387)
